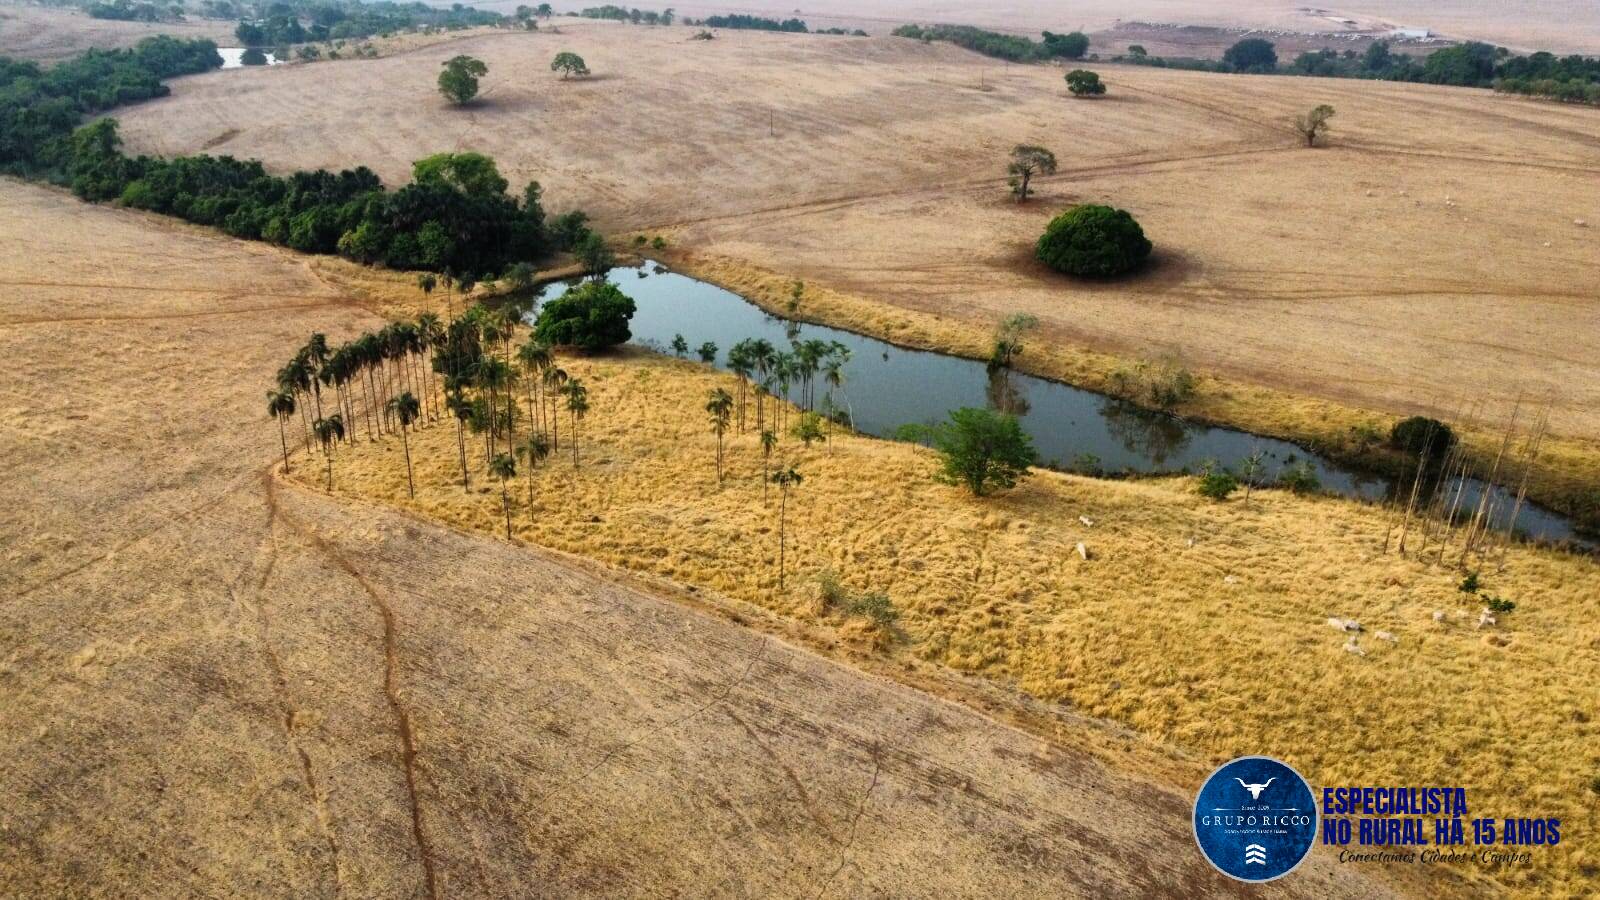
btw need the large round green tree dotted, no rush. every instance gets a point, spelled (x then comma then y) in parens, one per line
(592, 316)
(1095, 241)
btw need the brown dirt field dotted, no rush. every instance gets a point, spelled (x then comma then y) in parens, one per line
(213, 684)
(47, 34)
(1426, 260)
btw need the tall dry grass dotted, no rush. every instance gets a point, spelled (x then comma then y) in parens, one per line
(1200, 624)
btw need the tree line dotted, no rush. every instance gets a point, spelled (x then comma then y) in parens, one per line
(455, 216)
(1002, 46)
(625, 14)
(284, 22)
(1572, 78)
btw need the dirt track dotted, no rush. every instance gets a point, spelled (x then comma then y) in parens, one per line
(212, 685)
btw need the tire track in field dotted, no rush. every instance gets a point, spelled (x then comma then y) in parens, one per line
(408, 745)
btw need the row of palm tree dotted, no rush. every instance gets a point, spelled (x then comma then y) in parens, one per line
(510, 397)
(766, 372)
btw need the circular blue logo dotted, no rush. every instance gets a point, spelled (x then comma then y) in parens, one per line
(1255, 819)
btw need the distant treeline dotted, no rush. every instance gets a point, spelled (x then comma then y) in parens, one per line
(124, 11)
(1003, 46)
(1574, 79)
(284, 22)
(624, 14)
(753, 23)
(455, 216)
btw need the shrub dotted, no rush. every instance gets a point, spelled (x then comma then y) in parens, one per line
(1084, 83)
(1499, 605)
(1163, 383)
(592, 316)
(982, 449)
(1093, 241)
(1421, 435)
(1469, 584)
(1216, 483)
(876, 609)
(834, 594)
(1300, 478)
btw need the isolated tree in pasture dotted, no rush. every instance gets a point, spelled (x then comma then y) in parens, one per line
(769, 442)
(1250, 469)
(707, 352)
(459, 80)
(680, 347)
(1028, 160)
(280, 406)
(569, 64)
(1084, 83)
(1093, 241)
(1313, 124)
(427, 282)
(555, 378)
(535, 449)
(578, 406)
(406, 409)
(982, 449)
(504, 467)
(786, 479)
(544, 10)
(329, 431)
(720, 406)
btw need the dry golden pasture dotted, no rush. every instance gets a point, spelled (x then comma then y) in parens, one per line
(217, 683)
(1425, 258)
(47, 35)
(1199, 625)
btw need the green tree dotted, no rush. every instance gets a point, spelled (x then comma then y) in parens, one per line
(786, 479)
(595, 254)
(1422, 436)
(1255, 55)
(808, 428)
(1094, 241)
(459, 80)
(680, 347)
(504, 467)
(707, 352)
(578, 406)
(1215, 482)
(592, 316)
(406, 409)
(569, 64)
(280, 406)
(720, 406)
(329, 431)
(1008, 340)
(1028, 160)
(1070, 46)
(1313, 124)
(982, 449)
(1084, 83)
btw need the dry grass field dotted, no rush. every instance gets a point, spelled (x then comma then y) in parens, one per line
(214, 684)
(1167, 627)
(1427, 260)
(48, 34)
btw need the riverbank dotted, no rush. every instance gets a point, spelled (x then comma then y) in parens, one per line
(1162, 628)
(1567, 479)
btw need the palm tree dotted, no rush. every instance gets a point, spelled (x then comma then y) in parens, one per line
(578, 405)
(535, 449)
(786, 479)
(406, 409)
(720, 406)
(329, 431)
(427, 282)
(555, 380)
(316, 355)
(769, 440)
(536, 359)
(764, 357)
(504, 467)
(429, 335)
(740, 364)
(280, 405)
(462, 411)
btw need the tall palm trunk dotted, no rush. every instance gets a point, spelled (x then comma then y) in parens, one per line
(505, 501)
(411, 484)
(783, 508)
(461, 443)
(284, 440)
(574, 440)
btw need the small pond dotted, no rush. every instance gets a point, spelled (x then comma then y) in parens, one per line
(887, 387)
